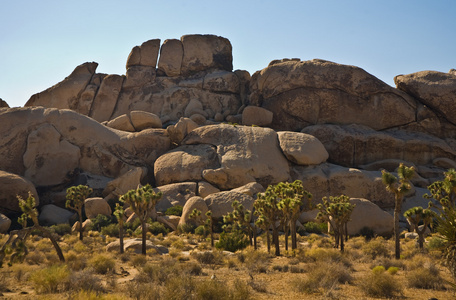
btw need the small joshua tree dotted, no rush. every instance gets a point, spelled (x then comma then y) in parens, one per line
(119, 213)
(76, 195)
(268, 215)
(414, 216)
(209, 226)
(142, 201)
(399, 187)
(336, 211)
(241, 218)
(17, 238)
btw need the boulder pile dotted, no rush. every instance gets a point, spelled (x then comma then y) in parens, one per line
(205, 135)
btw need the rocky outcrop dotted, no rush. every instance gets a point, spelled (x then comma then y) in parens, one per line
(96, 206)
(301, 148)
(356, 145)
(39, 143)
(331, 180)
(367, 214)
(254, 115)
(3, 103)
(53, 215)
(302, 93)
(197, 203)
(246, 154)
(11, 186)
(220, 203)
(434, 89)
(175, 194)
(5, 223)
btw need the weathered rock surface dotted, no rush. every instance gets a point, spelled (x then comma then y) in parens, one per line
(12, 185)
(179, 131)
(144, 55)
(367, 214)
(434, 89)
(96, 206)
(314, 92)
(3, 103)
(5, 223)
(66, 93)
(356, 145)
(331, 180)
(142, 120)
(175, 194)
(251, 189)
(254, 115)
(105, 101)
(87, 144)
(171, 54)
(246, 154)
(52, 215)
(136, 246)
(195, 202)
(220, 203)
(122, 184)
(185, 163)
(301, 148)
(205, 189)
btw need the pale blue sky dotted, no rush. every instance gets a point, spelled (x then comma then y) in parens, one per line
(41, 42)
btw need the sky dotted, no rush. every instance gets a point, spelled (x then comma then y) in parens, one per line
(41, 42)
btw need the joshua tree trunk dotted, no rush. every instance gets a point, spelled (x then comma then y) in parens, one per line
(254, 237)
(286, 237)
(421, 236)
(294, 242)
(53, 241)
(275, 238)
(81, 230)
(144, 232)
(121, 242)
(397, 212)
(268, 239)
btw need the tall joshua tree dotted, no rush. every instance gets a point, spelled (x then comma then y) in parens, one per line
(142, 201)
(336, 211)
(399, 187)
(76, 195)
(241, 217)
(269, 215)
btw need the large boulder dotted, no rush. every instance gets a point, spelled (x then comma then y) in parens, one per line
(302, 93)
(180, 130)
(66, 93)
(246, 154)
(144, 55)
(135, 245)
(96, 206)
(53, 215)
(356, 145)
(185, 163)
(11, 186)
(197, 203)
(170, 60)
(331, 180)
(220, 203)
(205, 52)
(301, 148)
(205, 189)
(434, 89)
(254, 115)
(106, 98)
(122, 184)
(367, 214)
(251, 189)
(87, 144)
(3, 103)
(175, 194)
(5, 223)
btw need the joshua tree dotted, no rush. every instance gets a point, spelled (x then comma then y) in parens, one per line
(268, 215)
(241, 218)
(336, 211)
(142, 201)
(417, 214)
(17, 238)
(445, 193)
(209, 226)
(120, 213)
(399, 187)
(76, 196)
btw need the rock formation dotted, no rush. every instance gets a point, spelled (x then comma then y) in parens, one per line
(204, 135)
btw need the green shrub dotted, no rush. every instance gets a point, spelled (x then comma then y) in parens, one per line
(156, 228)
(61, 229)
(100, 221)
(376, 247)
(51, 279)
(378, 269)
(436, 243)
(201, 230)
(393, 270)
(232, 241)
(102, 263)
(314, 227)
(367, 233)
(111, 230)
(209, 257)
(174, 211)
(380, 284)
(185, 228)
(425, 277)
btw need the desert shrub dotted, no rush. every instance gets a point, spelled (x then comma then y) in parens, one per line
(367, 233)
(209, 257)
(85, 280)
(436, 243)
(101, 263)
(156, 228)
(380, 284)
(232, 241)
(143, 291)
(323, 275)
(51, 279)
(185, 228)
(256, 261)
(425, 278)
(213, 289)
(138, 260)
(61, 229)
(159, 273)
(178, 244)
(99, 222)
(375, 248)
(132, 226)
(280, 268)
(192, 268)
(174, 211)
(378, 269)
(35, 258)
(201, 230)
(387, 263)
(111, 230)
(178, 287)
(74, 261)
(327, 255)
(393, 270)
(317, 228)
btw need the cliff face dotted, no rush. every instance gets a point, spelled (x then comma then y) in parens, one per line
(332, 126)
